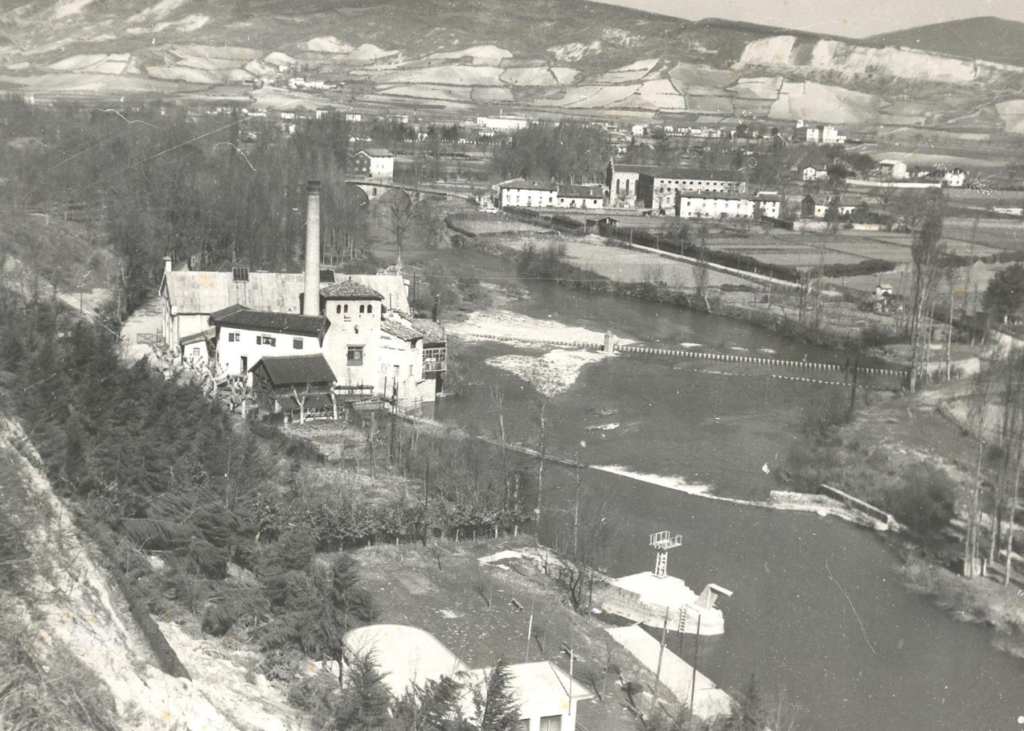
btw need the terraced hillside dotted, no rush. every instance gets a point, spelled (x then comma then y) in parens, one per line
(566, 56)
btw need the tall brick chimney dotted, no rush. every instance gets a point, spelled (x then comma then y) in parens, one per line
(311, 280)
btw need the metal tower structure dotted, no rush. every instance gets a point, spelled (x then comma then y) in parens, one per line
(662, 542)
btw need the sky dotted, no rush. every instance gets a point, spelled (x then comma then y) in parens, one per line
(854, 18)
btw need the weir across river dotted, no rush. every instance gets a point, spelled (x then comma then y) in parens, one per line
(898, 375)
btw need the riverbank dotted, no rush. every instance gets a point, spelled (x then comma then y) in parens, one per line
(589, 263)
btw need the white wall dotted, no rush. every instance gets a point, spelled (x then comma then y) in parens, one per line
(230, 353)
(580, 203)
(408, 357)
(527, 198)
(534, 712)
(354, 328)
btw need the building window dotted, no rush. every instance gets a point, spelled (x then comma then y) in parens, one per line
(297, 343)
(337, 309)
(195, 352)
(551, 723)
(233, 337)
(369, 308)
(346, 309)
(362, 309)
(266, 340)
(355, 355)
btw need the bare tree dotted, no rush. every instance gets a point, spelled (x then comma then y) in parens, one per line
(926, 257)
(398, 214)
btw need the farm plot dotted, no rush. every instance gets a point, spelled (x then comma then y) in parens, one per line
(996, 235)
(447, 75)
(625, 265)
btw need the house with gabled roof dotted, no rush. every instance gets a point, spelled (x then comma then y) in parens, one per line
(244, 336)
(527, 194)
(374, 162)
(298, 386)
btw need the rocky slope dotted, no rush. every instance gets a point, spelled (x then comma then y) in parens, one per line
(78, 643)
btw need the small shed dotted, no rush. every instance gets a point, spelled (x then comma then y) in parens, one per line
(295, 385)
(604, 225)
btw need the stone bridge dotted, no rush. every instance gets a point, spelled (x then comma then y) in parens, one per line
(374, 188)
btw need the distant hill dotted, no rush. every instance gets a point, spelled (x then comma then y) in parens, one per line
(983, 38)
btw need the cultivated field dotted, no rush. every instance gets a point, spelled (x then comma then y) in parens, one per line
(482, 224)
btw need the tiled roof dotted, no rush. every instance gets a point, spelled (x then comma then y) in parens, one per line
(376, 152)
(580, 191)
(691, 174)
(634, 168)
(721, 195)
(207, 292)
(433, 333)
(283, 322)
(350, 290)
(529, 185)
(292, 370)
(400, 331)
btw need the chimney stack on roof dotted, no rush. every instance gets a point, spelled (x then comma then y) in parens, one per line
(311, 286)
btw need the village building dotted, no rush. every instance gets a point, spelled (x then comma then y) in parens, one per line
(726, 205)
(297, 386)
(893, 169)
(527, 194)
(580, 196)
(548, 698)
(502, 123)
(621, 182)
(657, 190)
(812, 173)
(374, 163)
(353, 117)
(244, 336)
(197, 348)
(954, 178)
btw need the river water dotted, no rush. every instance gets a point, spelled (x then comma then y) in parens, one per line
(819, 613)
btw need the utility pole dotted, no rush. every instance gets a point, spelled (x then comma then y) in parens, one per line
(394, 414)
(853, 391)
(693, 678)
(661, 652)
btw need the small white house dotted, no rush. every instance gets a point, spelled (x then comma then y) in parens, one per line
(954, 178)
(726, 205)
(353, 117)
(374, 163)
(893, 169)
(812, 173)
(503, 123)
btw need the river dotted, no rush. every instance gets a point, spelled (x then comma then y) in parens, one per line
(820, 612)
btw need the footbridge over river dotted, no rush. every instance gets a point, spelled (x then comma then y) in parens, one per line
(799, 371)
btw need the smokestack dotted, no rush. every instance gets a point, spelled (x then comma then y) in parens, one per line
(311, 281)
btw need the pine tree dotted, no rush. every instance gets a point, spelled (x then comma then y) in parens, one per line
(497, 707)
(75, 470)
(365, 702)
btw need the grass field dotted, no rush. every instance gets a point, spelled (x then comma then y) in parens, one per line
(492, 223)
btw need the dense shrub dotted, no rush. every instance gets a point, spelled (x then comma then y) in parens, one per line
(924, 501)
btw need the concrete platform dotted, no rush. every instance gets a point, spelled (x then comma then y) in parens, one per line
(644, 597)
(676, 673)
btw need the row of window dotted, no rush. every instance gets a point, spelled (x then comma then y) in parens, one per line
(363, 309)
(297, 343)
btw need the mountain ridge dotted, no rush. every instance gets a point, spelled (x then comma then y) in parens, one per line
(982, 38)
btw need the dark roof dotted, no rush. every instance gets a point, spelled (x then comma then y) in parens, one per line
(691, 174)
(293, 370)
(529, 185)
(580, 191)
(713, 195)
(433, 333)
(349, 290)
(376, 152)
(283, 322)
(400, 331)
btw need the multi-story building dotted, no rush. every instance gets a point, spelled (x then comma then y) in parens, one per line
(527, 194)
(657, 190)
(243, 336)
(580, 196)
(727, 205)
(374, 163)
